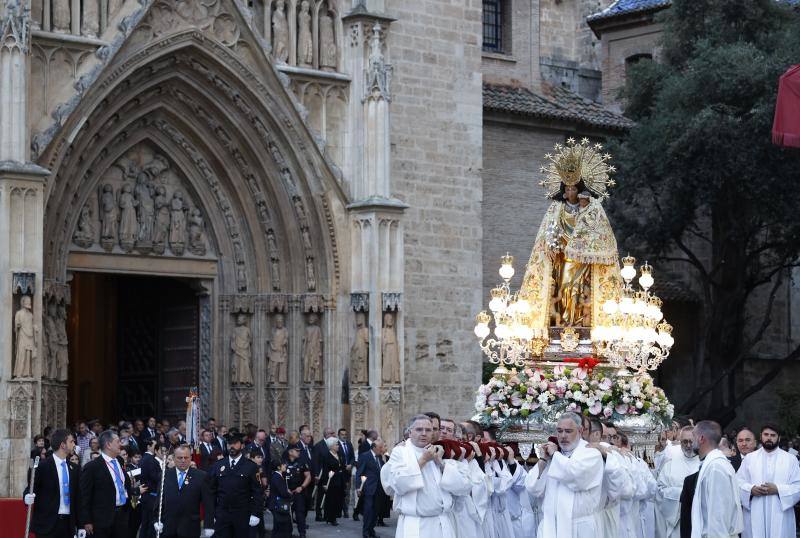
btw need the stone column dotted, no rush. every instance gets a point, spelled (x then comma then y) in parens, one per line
(21, 244)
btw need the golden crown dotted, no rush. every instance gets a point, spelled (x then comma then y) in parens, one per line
(576, 161)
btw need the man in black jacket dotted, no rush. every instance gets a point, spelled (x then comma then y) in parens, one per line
(185, 489)
(369, 467)
(55, 491)
(237, 493)
(687, 496)
(207, 445)
(151, 478)
(347, 454)
(105, 492)
(320, 449)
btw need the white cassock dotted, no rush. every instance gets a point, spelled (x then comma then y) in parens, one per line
(716, 508)
(670, 485)
(769, 516)
(630, 522)
(660, 458)
(502, 483)
(647, 508)
(516, 499)
(489, 530)
(617, 485)
(467, 520)
(569, 491)
(421, 496)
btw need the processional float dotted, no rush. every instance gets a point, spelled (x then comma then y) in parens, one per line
(581, 333)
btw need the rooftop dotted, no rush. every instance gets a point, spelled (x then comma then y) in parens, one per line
(627, 7)
(553, 102)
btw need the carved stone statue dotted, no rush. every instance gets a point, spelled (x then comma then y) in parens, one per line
(113, 6)
(327, 43)
(311, 280)
(91, 18)
(49, 368)
(62, 349)
(280, 33)
(305, 45)
(388, 425)
(389, 351)
(241, 342)
(145, 209)
(177, 225)
(37, 14)
(359, 353)
(24, 339)
(84, 233)
(312, 351)
(306, 239)
(161, 224)
(197, 233)
(61, 16)
(278, 353)
(274, 258)
(109, 217)
(128, 224)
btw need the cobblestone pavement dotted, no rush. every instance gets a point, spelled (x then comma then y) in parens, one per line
(347, 528)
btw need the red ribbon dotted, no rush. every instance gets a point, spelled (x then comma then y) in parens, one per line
(587, 363)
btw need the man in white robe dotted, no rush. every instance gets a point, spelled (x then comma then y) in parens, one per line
(670, 484)
(769, 479)
(617, 481)
(568, 482)
(502, 483)
(421, 484)
(468, 521)
(517, 499)
(716, 508)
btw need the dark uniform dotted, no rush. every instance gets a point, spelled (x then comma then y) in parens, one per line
(238, 495)
(295, 476)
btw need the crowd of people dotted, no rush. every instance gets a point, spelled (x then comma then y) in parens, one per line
(444, 479)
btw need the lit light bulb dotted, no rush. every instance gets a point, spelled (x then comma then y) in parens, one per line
(496, 304)
(646, 281)
(502, 331)
(506, 271)
(628, 270)
(482, 330)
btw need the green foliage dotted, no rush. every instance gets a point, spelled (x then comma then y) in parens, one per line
(699, 180)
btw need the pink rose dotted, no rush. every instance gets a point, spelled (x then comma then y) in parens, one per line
(580, 373)
(596, 408)
(621, 408)
(607, 412)
(558, 370)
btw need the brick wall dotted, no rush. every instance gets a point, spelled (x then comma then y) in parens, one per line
(617, 46)
(435, 47)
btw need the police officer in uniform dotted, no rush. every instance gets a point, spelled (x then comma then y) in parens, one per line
(298, 478)
(239, 500)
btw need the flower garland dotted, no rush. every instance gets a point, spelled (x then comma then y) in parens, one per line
(533, 394)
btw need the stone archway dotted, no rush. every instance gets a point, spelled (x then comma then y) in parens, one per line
(187, 114)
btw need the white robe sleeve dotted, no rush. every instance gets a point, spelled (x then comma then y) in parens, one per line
(455, 478)
(789, 492)
(502, 478)
(618, 479)
(480, 490)
(665, 488)
(535, 482)
(745, 482)
(581, 472)
(518, 479)
(719, 509)
(401, 477)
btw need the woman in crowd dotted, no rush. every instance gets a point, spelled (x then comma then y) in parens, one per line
(333, 480)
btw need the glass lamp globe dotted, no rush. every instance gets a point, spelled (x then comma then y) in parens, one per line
(628, 272)
(506, 271)
(496, 304)
(502, 331)
(482, 330)
(646, 281)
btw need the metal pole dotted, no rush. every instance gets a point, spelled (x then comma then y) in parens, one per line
(30, 506)
(161, 493)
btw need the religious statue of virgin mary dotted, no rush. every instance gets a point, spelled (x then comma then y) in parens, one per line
(573, 267)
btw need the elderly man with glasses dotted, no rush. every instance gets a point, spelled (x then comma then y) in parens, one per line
(670, 484)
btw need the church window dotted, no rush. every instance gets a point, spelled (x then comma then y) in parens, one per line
(630, 61)
(494, 25)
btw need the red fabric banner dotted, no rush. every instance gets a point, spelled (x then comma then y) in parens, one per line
(786, 126)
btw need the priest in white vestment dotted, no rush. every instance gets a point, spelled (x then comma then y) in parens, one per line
(716, 507)
(468, 521)
(516, 501)
(617, 481)
(568, 481)
(502, 483)
(670, 484)
(421, 484)
(769, 480)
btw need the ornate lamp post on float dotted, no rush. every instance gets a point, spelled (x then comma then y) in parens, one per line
(574, 299)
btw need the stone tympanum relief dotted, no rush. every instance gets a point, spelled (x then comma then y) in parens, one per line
(390, 352)
(312, 350)
(241, 352)
(141, 207)
(278, 354)
(25, 336)
(359, 352)
(56, 343)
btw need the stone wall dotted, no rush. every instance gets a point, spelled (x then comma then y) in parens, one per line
(435, 47)
(617, 45)
(520, 62)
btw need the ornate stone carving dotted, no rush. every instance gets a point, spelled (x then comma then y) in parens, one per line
(109, 216)
(15, 30)
(313, 303)
(241, 352)
(241, 407)
(305, 44)
(177, 223)
(91, 18)
(56, 354)
(161, 224)
(327, 42)
(359, 405)
(274, 260)
(61, 16)
(280, 33)
(311, 279)
(278, 303)
(23, 283)
(278, 353)
(390, 356)
(128, 223)
(379, 73)
(84, 233)
(54, 405)
(145, 210)
(204, 358)
(312, 351)
(25, 339)
(391, 301)
(359, 302)
(390, 408)
(197, 233)
(20, 402)
(359, 352)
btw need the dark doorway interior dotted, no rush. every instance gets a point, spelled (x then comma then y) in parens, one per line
(133, 346)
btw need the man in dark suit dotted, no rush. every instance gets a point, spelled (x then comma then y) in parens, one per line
(151, 478)
(687, 496)
(237, 493)
(185, 489)
(151, 431)
(366, 444)
(261, 444)
(105, 492)
(320, 449)
(348, 456)
(55, 490)
(207, 446)
(369, 467)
